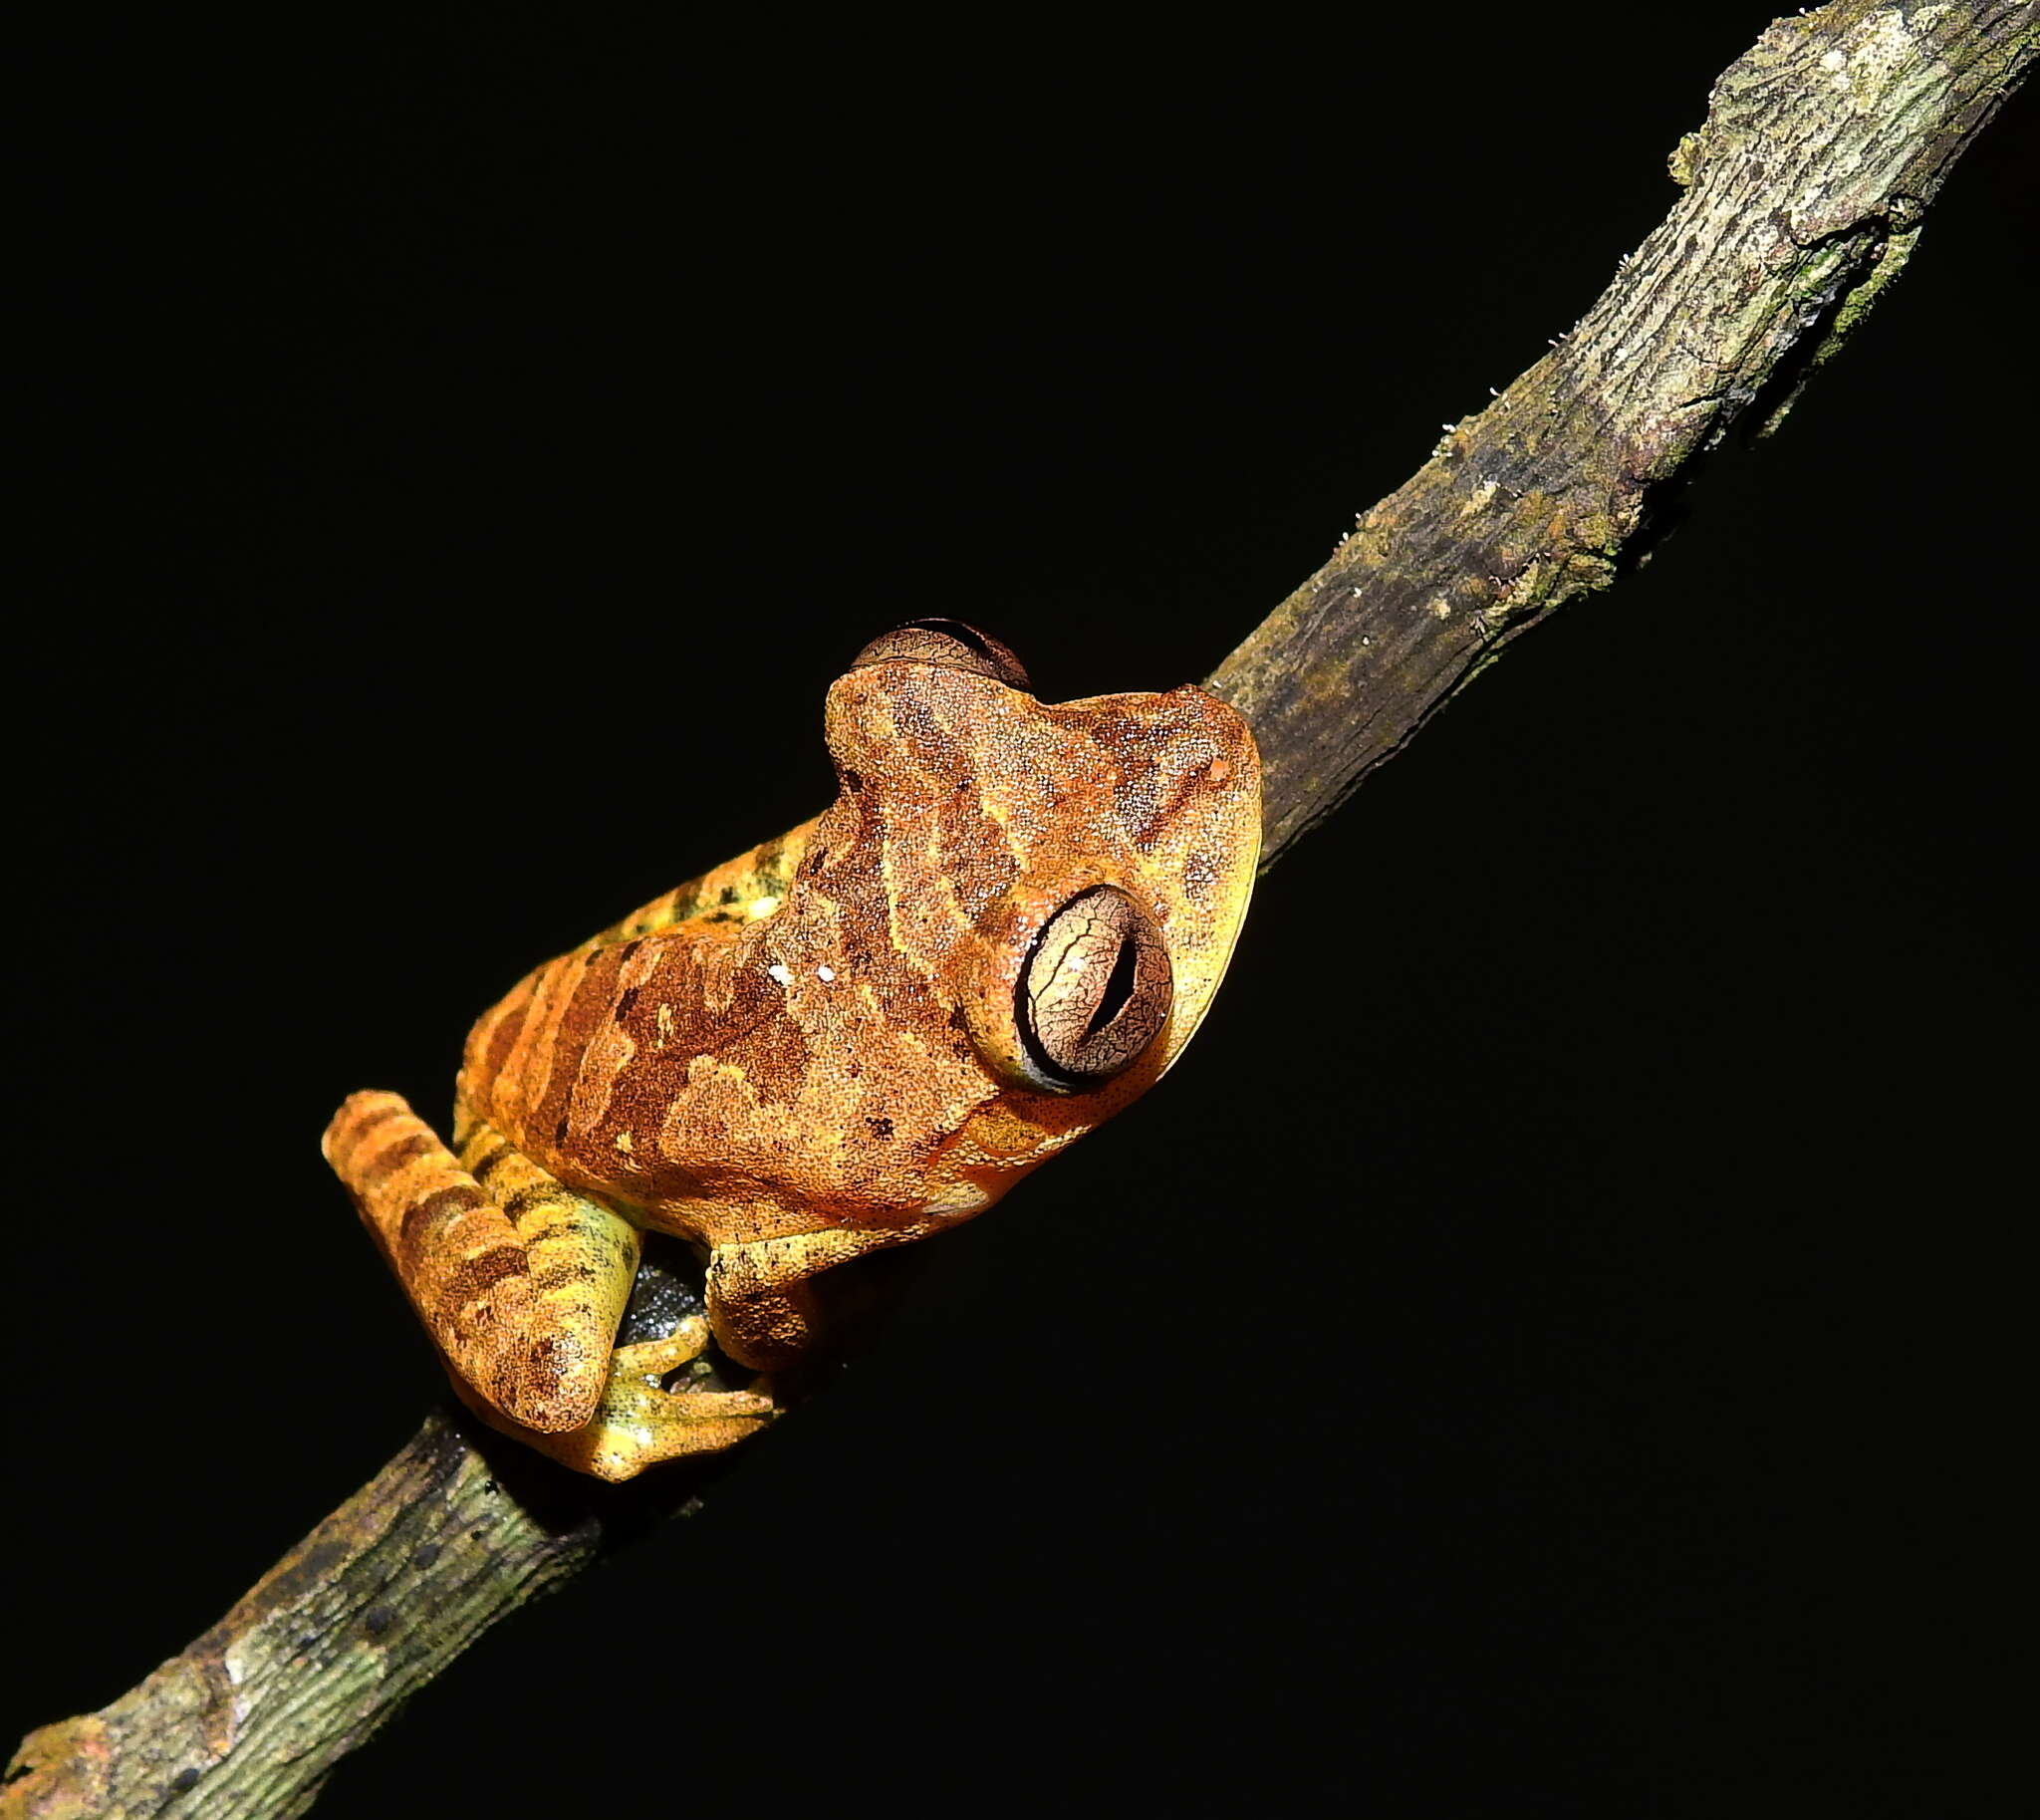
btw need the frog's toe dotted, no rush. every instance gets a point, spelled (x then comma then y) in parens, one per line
(657, 1359)
(639, 1429)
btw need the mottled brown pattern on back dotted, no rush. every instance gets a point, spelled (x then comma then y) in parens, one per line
(705, 1064)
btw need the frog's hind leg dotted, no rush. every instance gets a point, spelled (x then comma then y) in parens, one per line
(522, 1284)
(520, 1281)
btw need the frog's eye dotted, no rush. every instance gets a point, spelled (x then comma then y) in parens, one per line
(1096, 988)
(948, 643)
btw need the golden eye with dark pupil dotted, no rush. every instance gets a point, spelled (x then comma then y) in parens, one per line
(951, 643)
(1095, 990)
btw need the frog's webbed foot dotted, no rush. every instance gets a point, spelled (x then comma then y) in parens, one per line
(648, 1412)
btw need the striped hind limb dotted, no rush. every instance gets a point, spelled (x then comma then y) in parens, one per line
(522, 1283)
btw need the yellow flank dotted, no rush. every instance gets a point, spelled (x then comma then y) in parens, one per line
(732, 895)
(1003, 929)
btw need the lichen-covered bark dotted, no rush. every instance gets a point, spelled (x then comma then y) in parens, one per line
(1803, 193)
(368, 1608)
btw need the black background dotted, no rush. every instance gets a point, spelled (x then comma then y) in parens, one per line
(1539, 1354)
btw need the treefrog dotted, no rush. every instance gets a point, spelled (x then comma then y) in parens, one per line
(1004, 928)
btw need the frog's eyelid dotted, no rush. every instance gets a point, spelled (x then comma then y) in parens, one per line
(952, 643)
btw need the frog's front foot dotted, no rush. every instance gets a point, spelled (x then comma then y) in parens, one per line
(640, 1420)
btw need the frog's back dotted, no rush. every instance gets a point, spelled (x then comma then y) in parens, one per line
(530, 1052)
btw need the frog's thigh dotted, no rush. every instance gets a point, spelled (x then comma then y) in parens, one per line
(521, 1282)
(637, 1422)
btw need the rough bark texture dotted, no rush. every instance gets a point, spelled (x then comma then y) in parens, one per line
(368, 1608)
(1804, 188)
(1804, 191)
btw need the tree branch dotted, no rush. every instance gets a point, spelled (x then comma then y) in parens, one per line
(1804, 191)
(1823, 145)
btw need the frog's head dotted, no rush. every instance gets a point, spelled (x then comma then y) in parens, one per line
(1064, 882)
